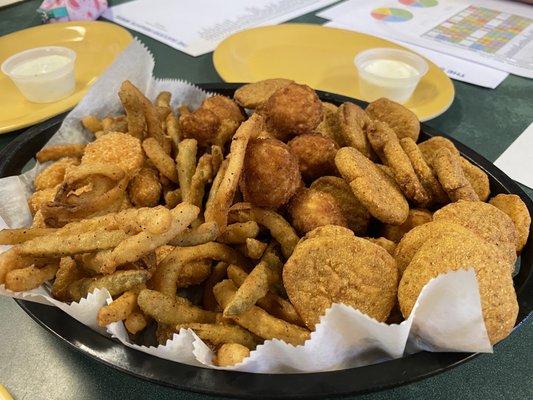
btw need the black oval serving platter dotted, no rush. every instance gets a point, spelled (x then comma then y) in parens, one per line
(246, 385)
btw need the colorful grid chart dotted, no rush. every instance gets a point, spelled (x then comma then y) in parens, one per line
(479, 29)
(390, 14)
(420, 3)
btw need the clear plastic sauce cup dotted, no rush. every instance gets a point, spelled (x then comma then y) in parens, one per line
(391, 73)
(42, 74)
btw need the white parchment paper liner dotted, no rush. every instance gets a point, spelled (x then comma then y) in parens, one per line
(446, 317)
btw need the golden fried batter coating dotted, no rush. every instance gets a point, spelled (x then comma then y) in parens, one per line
(416, 217)
(477, 178)
(356, 215)
(451, 176)
(346, 269)
(202, 124)
(315, 154)
(484, 219)
(423, 171)
(328, 127)
(40, 197)
(270, 175)
(352, 123)
(387, 244)
(429, 148)
(292, 110)
(386, 144)
(515, 208)
(378, 193)
(224, 108)
(456, 251)
(402, 120)
(327, 231)
(311, 208)
(54, 174)
(116, 148)
(144, 189)
(255, 94)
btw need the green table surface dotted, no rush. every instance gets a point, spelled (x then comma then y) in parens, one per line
(36, 365)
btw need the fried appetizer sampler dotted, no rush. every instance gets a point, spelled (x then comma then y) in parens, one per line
(356, 215)
(315, 155)
(292, 110)
(352, 123)
(378, 193)
(346, 269)
(402, 120)
(415, 218)
(253, 95)
(514, 207)
(310, 208)
(271, 174)
(453, 252)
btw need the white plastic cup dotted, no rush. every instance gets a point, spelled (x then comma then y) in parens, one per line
(373, 86)
(47, 86)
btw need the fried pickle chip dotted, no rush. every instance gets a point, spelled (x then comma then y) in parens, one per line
(416, 217)
(116, 148)
(352, 123)
(310, 208)
(271, 175)
(429, 148)
(386, 144)
(453, 252)
(340, 269)
(315, 154)
(484, 219)
(356, 215)
(477, 178)
(378, 193)
(292, 110)
(387, 244)
(402, 120)
(255, 94)
(514, 207)
(451, 176)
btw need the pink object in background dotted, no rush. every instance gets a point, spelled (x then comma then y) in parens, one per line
(71, 10)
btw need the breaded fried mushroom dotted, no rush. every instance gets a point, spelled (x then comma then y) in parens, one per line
(315, 154)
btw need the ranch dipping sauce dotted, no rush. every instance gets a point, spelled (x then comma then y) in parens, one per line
(390, 73)
(42, 74)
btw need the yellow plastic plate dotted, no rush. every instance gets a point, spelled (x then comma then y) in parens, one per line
(96, 44)
(321, 57)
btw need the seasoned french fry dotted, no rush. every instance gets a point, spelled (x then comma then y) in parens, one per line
(173, 130)
(16, 236)
(67, 245)
(116, 283)
(162, 161)
(204, 233)
(19, 280)
(218, 209)
(279, 228)
(134, 247)
(216, 183)
(254, 248)
(202, 175)
(271, 302)
(54, 153)
(67, 273)
(119, 309)
(92, 123)
(171, 267)
(217, 156)
(254, 287)
(136, 321)
(230, 354)
(258, 321)
(11, 260)
(186, 164)
(238, 232)
(218, 334)
(131, 101)
(171, 310)
(218, 273)
(173, 198)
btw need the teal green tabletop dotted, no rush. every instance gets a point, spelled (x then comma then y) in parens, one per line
(36, 365)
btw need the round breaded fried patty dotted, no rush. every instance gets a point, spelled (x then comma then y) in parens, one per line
(378, 192)
(515, 208)
(477, 178)
(456, 251)
(254, 94)
(429, 148)
(344, 269)
(416, 217)
(402, 120)
(357, 216)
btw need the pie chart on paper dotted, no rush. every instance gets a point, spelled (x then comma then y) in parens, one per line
(389, 14)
